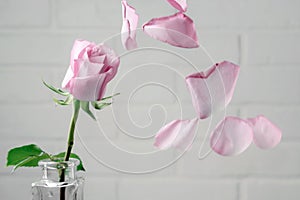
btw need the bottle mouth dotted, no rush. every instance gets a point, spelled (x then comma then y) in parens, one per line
(59, 163)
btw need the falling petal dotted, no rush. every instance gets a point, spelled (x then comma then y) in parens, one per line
(177, 30)
(179, 5)
(178, 133)
(213, 89)
(130, 22)
(231, 137)
(266, 134)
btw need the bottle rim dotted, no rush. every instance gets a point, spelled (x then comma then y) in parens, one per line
(58, 164)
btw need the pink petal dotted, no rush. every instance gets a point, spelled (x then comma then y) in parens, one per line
(111, 63)
(231, 137)
(179, 5)
(69, 75)
(177, 30)
(97, 59)
(178, 133)
(266, 134)
(88, 68)
(111, 58)
(78, 51)
(213, 89)
(130, 22)
(90, 87)
(87, 88)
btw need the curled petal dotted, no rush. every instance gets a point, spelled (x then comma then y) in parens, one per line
(266, 134)
(97, 59)
(231, 137)
(179, 5)
(91, 68)
(213, 89)
(130, 22)
(177, 30)
(88, 68)
(69, 75)
(94, 85)
(178, 134)
(88, 87)
(111, 62)
(111, 58)
(77, 52)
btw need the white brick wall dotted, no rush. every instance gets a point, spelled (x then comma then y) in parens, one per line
(263, 36)
(270, 189)
(31, 13)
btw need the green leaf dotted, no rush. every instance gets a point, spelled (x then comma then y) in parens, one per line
(100, 105)
(30, 155)
(65, 102)
(25, 156)
(61, 156)
(85, 105)
(56, 90)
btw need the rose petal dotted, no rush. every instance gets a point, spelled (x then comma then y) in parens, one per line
(69, 75)
(213, 89)
(178, 133)
(90, 87)
(97, 59)
(177, 30)
(111, 62)
(87, 88)
(92, 67)
(78, 51)
(88, 68)
(179, 4)
(130, 22)
(231, 137)
(266, 134)
(111, 58)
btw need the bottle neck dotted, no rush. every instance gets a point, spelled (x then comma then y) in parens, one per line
(52, 170)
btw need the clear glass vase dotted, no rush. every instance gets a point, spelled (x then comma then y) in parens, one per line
(59, 181)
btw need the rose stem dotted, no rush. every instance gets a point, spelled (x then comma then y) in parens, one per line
(76, 108)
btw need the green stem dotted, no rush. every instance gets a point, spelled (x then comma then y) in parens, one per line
(72, 129)
(76, 108)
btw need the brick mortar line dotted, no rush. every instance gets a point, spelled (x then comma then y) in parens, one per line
(55, 29)
(171, 177)
(53, 26)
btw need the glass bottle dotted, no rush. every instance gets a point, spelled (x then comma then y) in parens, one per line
(59, 181)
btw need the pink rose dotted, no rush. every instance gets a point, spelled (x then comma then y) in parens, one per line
(91, 68)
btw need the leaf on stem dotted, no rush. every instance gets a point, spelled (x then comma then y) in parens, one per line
(25, 156)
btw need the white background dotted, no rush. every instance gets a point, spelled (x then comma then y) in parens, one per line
(263, 36)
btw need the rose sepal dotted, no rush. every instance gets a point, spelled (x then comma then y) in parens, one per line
(85, 106)
(56, 90)
(65, 102)
(99, 105)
